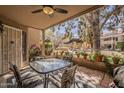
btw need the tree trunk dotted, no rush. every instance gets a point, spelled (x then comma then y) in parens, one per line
(96, 31)
(96, 37)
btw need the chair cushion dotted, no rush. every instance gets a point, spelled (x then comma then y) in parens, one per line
(32, 82)
(55, 81)
(64, 79)
(56, 78)
(118, 74)
(30, 78)
(28, 74)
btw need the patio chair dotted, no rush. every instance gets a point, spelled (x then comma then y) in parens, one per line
(65, 79)
(25, 81)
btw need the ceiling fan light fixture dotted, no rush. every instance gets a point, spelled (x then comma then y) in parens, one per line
(48, 10)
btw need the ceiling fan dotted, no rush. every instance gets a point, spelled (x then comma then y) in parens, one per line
(49, 10)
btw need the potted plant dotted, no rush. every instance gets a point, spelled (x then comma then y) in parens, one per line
(81, 54)
(85, 55)
(107, 59)
(98, 56)
(78, 54)
(91, 57)
(116, 59)
(48, 47)
(34, 51)
(74, 55)
(65, 54)
(108, 62)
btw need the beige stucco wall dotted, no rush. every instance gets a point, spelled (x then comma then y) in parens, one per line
(34, 37)
(0, 55)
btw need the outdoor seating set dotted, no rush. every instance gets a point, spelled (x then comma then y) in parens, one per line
(43, 72)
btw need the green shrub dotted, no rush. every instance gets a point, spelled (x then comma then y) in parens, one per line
(81, 53)
(120, 45)
(116, 58)
(91, 57)
(108, 59)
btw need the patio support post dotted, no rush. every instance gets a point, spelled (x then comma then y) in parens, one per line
(0, 47)
(43, 44)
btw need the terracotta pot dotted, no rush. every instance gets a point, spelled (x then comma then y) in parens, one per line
(85, 57)
(99, 58)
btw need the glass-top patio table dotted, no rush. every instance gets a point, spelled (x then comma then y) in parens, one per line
(46, 66)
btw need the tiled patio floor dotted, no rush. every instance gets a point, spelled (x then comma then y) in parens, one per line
(85, 78)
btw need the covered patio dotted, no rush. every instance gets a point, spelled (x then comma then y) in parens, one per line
(68, 46)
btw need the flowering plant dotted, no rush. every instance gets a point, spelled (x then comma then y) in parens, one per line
(34, 51)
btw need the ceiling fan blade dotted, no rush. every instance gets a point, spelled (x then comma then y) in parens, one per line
(61, 10)
(37, 11)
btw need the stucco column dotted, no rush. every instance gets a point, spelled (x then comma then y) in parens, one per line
(0, 55)
(0, 50)
(43, 44)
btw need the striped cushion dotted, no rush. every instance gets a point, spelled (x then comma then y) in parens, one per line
(118, 74)
(30, 78)
(56, 78)
(32, 82)
(28, 74)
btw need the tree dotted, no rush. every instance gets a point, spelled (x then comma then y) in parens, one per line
(90, 25)
(109, 14)
(102, 18)
(93, 20)
(85, 31)
(120, 45)
(110, 19)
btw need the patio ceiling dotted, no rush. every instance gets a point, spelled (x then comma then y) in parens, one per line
(23, 15)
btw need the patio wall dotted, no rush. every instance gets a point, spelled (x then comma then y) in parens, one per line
(34, 37)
